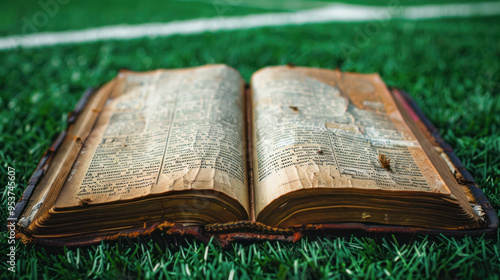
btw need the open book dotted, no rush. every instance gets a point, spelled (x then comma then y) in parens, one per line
(194, 146)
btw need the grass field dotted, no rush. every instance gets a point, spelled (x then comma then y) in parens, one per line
(94, 13)
(451, 67)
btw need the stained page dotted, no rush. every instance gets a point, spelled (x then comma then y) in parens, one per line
(318, 128)
(164, 131)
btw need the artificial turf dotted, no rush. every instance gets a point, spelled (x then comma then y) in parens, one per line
(451, 67)
(32, 16)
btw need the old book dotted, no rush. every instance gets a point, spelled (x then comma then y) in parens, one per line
(194, 150)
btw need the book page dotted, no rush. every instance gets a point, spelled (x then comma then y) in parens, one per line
(316, 128)
(163, 131)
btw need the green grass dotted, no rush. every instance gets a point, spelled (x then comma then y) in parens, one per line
(92, 13)
(318, 259)
(450, 67)
(28, 16)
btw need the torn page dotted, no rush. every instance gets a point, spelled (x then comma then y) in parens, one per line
(168, 130)
(325, 129)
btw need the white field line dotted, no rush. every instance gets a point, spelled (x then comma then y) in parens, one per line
(333, 13)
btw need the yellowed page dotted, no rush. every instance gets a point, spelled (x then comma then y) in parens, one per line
(163, 131)
(53, 178)
(316, 128)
